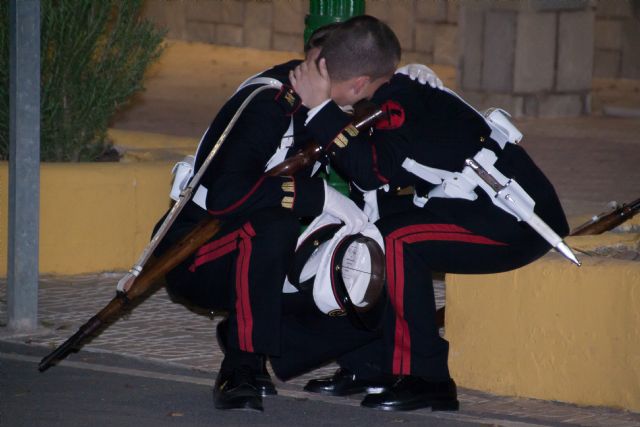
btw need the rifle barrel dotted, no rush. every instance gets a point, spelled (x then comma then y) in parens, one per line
(609, 220)
(157, 268)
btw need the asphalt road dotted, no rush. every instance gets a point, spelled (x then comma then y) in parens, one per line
(99, 389)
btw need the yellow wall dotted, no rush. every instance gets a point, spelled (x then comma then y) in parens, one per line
(550, 331)
(94, 216)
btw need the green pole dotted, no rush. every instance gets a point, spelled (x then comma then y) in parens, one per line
(321, 13)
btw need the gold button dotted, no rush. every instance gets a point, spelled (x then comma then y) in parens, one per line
(482, 139)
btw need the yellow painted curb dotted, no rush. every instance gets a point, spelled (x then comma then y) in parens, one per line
(549, 331)
(94, 216)
(145, 146)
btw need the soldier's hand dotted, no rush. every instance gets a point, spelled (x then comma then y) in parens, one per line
(311, 81)
(422, 73)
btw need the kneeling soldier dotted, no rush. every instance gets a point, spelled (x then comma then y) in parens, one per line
(451, 223)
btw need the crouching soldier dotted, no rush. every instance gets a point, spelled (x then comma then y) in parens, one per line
(477, 204)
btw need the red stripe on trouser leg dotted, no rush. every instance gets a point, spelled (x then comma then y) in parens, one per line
(214, 245)
(213, 255)
(395, 268)
(394, 243)
(244, 316)
(214, 250)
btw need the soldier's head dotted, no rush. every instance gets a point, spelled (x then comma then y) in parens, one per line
(313, 46)
(361, 54)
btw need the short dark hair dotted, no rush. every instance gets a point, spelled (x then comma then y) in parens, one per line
(362, 45)
(318, 37)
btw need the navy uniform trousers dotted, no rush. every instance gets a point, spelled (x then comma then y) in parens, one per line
(241, 270)
(447, 235)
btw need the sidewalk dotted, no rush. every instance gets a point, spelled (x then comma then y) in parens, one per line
(171, 335)
(591, 160)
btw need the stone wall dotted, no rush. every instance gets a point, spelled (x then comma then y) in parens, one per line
(533, 59)
(617, 39)
(427, 29)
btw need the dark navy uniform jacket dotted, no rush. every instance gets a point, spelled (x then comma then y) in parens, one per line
(236, 183)
(434, 128)
(235, 180)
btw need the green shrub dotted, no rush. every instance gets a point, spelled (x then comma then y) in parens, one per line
(93, 57)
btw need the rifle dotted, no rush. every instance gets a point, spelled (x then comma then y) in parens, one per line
(608, 220)
(145, 282)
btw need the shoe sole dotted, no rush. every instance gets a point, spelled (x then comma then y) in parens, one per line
(349, 392)
(253, 404)
(437, 405)
(267, 391)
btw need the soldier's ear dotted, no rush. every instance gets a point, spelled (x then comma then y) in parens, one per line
(360, 84)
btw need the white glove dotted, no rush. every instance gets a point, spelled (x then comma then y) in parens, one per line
(344, 209)
(422, 73)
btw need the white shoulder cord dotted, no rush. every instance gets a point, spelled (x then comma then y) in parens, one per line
(185, 195)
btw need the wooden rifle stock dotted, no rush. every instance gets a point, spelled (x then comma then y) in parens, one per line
(156, 269)
(608, 220)
(159, 267)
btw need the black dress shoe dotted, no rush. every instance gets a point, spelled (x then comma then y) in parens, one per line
(264, 383)
(263, 379)
(343, 383)
(409, 393)
(236, 389)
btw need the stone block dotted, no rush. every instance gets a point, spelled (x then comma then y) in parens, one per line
(425, 37)
(432, 10)
(503, 5)
(531, 106)
(453, 9)
(470, 33)
(401, 20)
(258, 14)
(513, 104)
(258, 19)
(557, 5)
(288, 16)
(232, 11)
(566, 105)
(446, 44)
(257, 38)
(575, 51)
(201, 10)
(499, 50)
(614, 8)
(606, 63)
(175, 18)
(418, 58)
(230, 35)
(378, 8)
(608, 34)
(201, 32)
(631, 49)
(535, 52)
(288, 42)
(154, 10)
